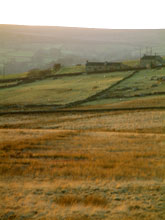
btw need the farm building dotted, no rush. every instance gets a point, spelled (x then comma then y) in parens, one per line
(103, 66)
(149, 61)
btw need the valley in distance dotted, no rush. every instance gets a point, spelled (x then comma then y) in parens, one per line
(82, 123)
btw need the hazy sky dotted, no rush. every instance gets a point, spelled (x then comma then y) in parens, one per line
(85, 13)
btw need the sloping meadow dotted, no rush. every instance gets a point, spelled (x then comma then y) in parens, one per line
(61, 90)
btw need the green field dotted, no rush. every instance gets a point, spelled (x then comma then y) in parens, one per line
(71, 69)
(59, 91)
(131, 62)
(13, 76)
(144, 88)
(144, 82)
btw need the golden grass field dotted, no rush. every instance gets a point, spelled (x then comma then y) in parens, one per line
(83, 166)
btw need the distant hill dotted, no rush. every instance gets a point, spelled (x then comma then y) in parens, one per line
(26, 47)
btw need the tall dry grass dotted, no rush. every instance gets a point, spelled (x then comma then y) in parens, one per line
(92, 166)
(70, 200)
(83, 155)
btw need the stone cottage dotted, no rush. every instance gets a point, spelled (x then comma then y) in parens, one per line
(150, 61)
(103, 66)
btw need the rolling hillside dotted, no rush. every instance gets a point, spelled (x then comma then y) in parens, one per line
(59, 91)
(115, 89)
(78, 146)
(26, 47)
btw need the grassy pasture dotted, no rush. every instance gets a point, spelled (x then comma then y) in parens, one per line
(141, 90)
(131, 62)
(133, 102)
(13, 76)
(59, 91)
(71, 69)
(8, 84)
(141, 83)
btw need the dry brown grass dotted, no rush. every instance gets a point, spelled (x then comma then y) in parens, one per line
(94, 166)
(70, 200)
(83, 154)
(125, 121)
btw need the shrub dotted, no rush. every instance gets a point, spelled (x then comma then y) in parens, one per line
(35, 73)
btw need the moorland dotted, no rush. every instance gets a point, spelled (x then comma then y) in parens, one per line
(83, 146)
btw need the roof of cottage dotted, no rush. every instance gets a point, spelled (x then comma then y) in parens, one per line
(95, 63)
(102, 63)
(152, 57)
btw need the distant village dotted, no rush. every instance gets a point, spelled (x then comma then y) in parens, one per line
(147, 61)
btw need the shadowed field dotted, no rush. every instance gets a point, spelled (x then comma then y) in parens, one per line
(73, 166)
